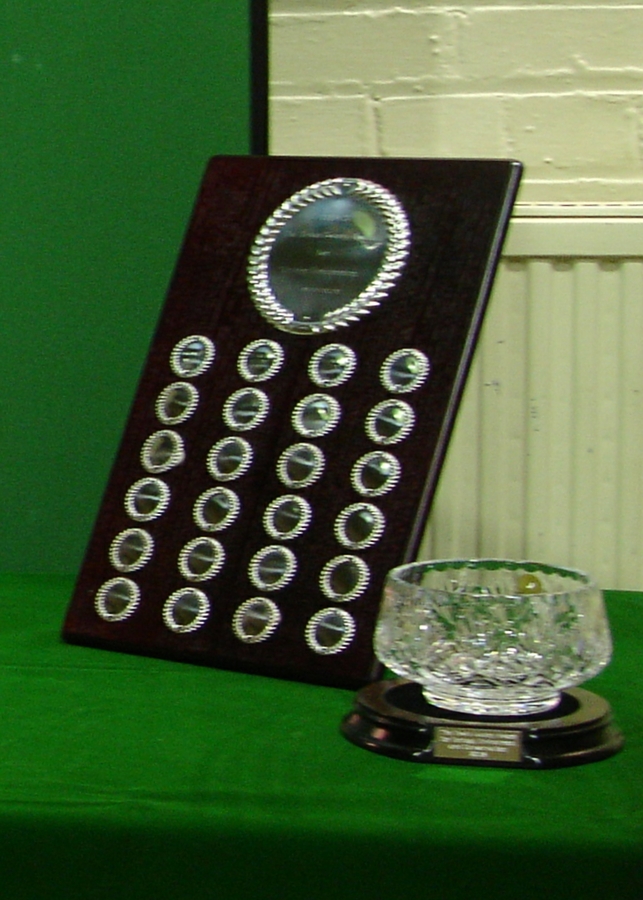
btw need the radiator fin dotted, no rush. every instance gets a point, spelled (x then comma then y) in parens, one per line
(546, 459)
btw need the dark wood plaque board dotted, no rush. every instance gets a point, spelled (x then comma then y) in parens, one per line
(457, 211)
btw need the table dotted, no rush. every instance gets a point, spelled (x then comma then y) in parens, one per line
(128, 777)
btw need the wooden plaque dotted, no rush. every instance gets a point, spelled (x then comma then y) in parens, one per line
(294, 411)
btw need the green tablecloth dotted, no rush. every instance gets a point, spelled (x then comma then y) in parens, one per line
(125, 777)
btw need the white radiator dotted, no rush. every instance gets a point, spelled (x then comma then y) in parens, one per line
(546, 457)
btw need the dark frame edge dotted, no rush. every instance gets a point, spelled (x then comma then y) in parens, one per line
(259, 73)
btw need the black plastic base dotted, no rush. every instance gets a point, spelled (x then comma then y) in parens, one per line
(394, 719)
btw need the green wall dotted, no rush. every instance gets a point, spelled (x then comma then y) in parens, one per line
(109, 111)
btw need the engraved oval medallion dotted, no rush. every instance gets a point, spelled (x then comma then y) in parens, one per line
(229, 458)
(192, 356)
(216, 509)
(287, 517)
(162, 451)
(131, 550)
(273, 567)
(176, 403)
(260, 360)
(147, 499)
(404, 371)
(328, 255)
(246, 409)
(330, 631)
(359, 526)
(201, 559)
(390, 422)
(117, 599)
(376, 473)
(300, 465)
(256, 620)
(316, 415)
(186, 610)
(332, 365)
(344, 578)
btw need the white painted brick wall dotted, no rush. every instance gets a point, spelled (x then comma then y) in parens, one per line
(558, 85)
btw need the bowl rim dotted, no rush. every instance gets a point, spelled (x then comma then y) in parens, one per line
(584, 580)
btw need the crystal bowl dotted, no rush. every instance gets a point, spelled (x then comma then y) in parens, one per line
(492, 637)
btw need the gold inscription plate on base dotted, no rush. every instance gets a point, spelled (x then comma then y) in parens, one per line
(477, 744)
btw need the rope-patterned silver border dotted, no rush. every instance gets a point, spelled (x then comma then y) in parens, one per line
(406, 427)
(200, 618)
(215, 566)
(395, 256)
(163, 399)
(272, 622)
(290, 568)
(306, 514)
(131, 588)
(214, 455)
(298, 415)
(361, 583)
(137, 489)
(117, 545)
(202, 364)
(318, 619)
(227, 520)
(317, 470)
(175, 458)
(379, 524)
(358, 470)
(343, 374)
(386, 376)
(243, 362)
(259, 416)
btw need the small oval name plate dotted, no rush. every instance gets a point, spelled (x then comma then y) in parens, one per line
(477, 744)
